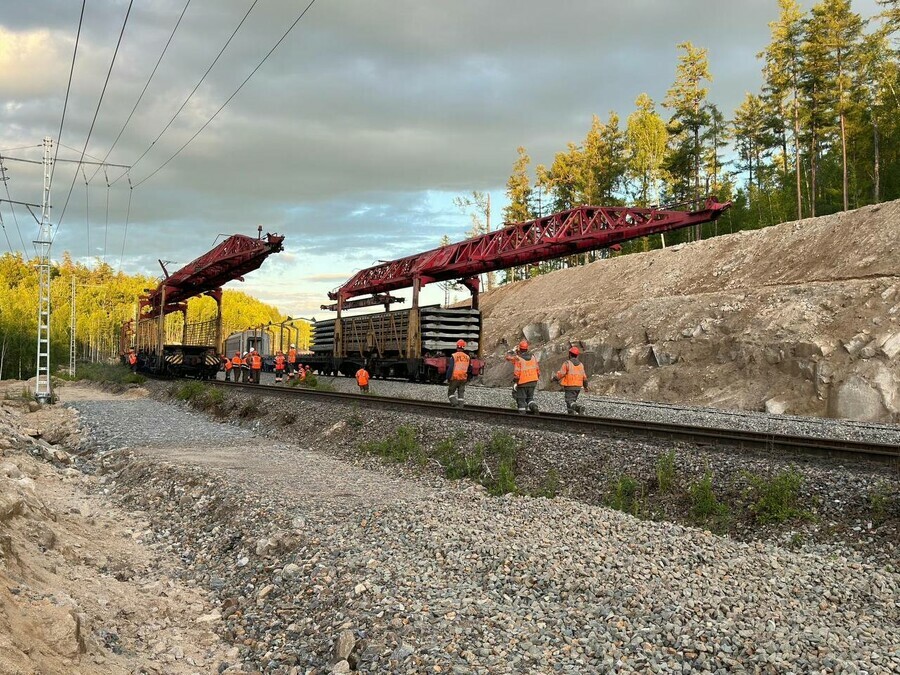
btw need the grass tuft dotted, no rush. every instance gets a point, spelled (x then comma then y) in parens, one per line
(706, 509)
(776, 498)
(665, 471)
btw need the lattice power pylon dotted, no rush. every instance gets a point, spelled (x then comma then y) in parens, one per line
(42, 384)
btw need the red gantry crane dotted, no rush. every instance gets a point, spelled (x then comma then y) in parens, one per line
(230, 260)
(586, 228)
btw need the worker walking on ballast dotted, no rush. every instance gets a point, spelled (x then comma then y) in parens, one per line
(459, 367)
(362, 379)
(525, 378)
(572, 378)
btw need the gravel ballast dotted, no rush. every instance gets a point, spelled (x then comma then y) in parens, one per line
(319, 560)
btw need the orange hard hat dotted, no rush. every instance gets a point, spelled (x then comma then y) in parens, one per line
(461, 344)
(523, 345)
(573, 350)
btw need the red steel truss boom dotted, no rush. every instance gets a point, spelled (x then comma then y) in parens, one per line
(232, 259)
(578, 230)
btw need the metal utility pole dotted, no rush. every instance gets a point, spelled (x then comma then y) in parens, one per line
(72, 332)
(42, 391)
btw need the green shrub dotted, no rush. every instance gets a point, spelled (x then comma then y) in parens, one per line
(456, 463)
(665, 471)
(776, 498)
(706, 509)
(626, 495)
(399, 447)
(502, 448)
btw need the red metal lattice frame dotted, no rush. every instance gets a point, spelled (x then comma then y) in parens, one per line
(586, 228)
(230, 260)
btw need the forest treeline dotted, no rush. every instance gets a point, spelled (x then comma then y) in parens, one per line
(822, 135)
(104, 300)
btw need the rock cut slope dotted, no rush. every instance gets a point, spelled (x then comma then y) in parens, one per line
(801, 317)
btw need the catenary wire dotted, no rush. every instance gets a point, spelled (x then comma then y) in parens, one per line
(127, 216)
(106, 226)
(96, 113)
(68, 89)
(241, 86)
(5, 233)
(12, 206)
(143, 91)
(196, 87)
(87, 210)
(24, 147)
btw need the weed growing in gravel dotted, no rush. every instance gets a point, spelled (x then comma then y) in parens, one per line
(399, 447)
(355, 422)
(706, 509)
(776, 498)
(549, 486)
(665, 471)
(190, 391)
(880, 501)
(249, 408)
(457, 464)
(501, 447)
(312, 381)
(626, 495)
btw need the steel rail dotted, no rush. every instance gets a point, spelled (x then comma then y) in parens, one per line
(606, 426)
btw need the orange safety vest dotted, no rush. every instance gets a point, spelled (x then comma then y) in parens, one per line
(132, 358)
(460, 366)
(362, 377)
(292, 356)
(256, 361)
(236, 362)
(571, 375)
(279, 362)
(526, 372)
(228, 365)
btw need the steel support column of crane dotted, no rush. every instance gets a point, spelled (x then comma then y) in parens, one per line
(586, 228)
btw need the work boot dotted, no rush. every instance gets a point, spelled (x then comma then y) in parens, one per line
(460, 403)
(579, 408)
(522, 411)
(453, 400)
(571, 410)
(533, 408)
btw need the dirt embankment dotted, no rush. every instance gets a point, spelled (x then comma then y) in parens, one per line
(81, 590)
(799, 318)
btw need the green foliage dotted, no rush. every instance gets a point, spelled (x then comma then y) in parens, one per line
(491, 464)
(665, 471)
(103, 372)
(627, 495)
(401, 446)
(249, 408)
(776, 498)
(190, 391)
(881, 499)
(549, 486)
(706, 509)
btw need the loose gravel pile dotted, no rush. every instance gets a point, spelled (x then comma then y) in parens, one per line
(318, 562)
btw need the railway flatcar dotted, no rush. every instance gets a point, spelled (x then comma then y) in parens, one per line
(389, 345)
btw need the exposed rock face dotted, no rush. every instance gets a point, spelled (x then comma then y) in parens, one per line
(806, 312)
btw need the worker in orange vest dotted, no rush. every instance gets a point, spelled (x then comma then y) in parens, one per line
(459, 367)
(228, 366)
(279, 366)
(132, 360)
(362, 379)
(255, 365)
(291, 361)
(572, 378)
(525, 378)
(236, 363)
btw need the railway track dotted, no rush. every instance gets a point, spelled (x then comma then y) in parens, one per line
(604, 426)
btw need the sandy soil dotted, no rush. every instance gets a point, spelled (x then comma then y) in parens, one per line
(82, 588)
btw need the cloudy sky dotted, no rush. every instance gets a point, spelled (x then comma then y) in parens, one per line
(355, 135)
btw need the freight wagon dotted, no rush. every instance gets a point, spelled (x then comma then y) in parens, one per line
(389, 345)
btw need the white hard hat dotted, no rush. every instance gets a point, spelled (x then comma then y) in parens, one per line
(252, 349)
(245, 353)
(293, 346)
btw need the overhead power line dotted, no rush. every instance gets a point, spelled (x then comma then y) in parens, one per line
(196, 87)
(143, 91)
(241, 86)
(68, 89)
(96, 112)
(9, 198)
